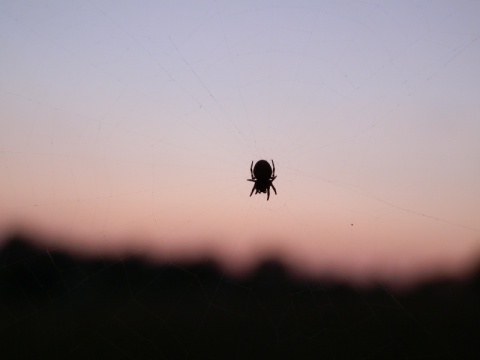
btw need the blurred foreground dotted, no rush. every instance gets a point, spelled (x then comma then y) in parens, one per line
(57, 306)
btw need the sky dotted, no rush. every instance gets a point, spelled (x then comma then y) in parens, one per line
(127, 128)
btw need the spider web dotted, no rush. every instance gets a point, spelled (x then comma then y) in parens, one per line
(131, 137)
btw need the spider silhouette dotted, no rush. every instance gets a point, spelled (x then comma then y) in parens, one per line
(262, 176)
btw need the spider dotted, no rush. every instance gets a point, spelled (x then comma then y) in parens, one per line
(262, 176)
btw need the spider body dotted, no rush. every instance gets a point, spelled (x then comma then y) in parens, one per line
(263, 176)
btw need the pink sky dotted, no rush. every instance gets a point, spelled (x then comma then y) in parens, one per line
(130, 129)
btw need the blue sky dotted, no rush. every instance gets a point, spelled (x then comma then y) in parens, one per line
(139, 120)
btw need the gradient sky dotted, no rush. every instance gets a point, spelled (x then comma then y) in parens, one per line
(128, 127)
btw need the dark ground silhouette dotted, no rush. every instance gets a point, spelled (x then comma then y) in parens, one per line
(56, 306)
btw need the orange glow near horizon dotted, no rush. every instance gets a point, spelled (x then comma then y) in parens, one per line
(126, 132)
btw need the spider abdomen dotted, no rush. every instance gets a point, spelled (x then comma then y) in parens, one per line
(262, 170)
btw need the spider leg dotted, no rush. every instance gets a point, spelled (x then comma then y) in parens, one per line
(273, 171)
(252, 188)
(268, 193)
(251, 170)
(273, 187)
